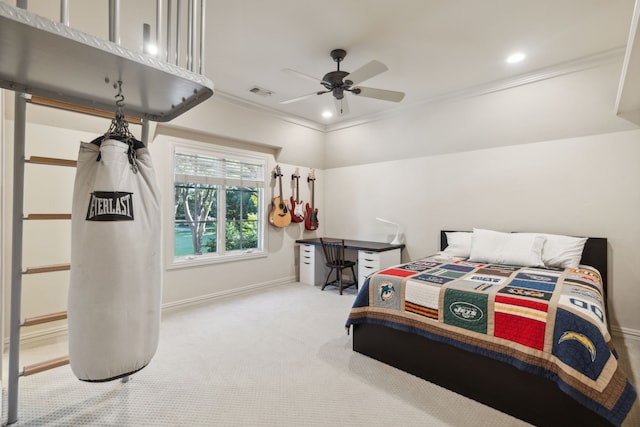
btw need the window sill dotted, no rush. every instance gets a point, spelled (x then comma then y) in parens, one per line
(202, 260)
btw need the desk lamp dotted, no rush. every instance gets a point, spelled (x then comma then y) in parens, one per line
(397, 239)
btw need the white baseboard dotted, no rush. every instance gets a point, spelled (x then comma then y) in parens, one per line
(60, 332)
(625, 333)
(43, 336)
(223, 294)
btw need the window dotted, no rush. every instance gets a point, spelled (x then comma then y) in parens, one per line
(218, 204)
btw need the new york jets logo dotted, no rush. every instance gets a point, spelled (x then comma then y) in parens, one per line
(466, 311)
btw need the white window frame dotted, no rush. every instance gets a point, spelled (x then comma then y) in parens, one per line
(222, 255)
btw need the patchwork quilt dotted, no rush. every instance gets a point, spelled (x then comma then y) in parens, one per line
(544, 321)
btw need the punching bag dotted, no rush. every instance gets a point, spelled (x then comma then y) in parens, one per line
(115, 279)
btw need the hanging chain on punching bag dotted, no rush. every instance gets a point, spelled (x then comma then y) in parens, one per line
(119, 129)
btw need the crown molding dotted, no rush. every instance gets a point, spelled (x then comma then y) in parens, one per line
(569, 67)
(628, 99)
(300, 121)
(558, 70)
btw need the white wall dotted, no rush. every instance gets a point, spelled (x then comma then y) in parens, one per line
(279, 266)
(48, 189)
(575, 104)
(548, 157)
(219, 121)
(291, 142)
(486, 161)
(584, 186)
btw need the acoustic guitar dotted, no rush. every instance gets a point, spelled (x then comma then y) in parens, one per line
(297, 205)
(279, 215)
(311, 220)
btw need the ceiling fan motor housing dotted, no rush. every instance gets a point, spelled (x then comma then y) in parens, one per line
(333, 82)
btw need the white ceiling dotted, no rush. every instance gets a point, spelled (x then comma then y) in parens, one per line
(433, 48)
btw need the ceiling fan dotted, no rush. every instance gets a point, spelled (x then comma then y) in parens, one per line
(338, 82)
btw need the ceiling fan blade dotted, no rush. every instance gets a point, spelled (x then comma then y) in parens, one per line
(385, 95)
(366, 72)
(342, 106)
(300, 98)
(304, 76)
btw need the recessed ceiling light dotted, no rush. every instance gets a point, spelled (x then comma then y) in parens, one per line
(516, 57)
(327, 114)
(152, 49)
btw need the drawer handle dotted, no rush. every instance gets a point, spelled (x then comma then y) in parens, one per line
(366, 266)
(368, 259)
(308, 263)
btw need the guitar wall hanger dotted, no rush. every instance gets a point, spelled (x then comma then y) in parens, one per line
(311, 218)
(297, 206)
(279, 215)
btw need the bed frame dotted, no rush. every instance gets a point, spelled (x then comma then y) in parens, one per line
(528, 397)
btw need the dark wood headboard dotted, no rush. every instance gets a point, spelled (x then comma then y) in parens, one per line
(594, 254)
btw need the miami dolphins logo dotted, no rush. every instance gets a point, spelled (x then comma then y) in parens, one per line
(586, 342)
(387, 290)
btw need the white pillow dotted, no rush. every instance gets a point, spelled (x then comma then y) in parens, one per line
(507, 248)
(562, 251)
(458, 244)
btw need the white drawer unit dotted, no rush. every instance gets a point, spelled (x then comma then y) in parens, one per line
(312, 268)
(372, 256)
(370, 262)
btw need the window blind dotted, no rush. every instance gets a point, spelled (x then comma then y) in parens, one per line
(214, 170)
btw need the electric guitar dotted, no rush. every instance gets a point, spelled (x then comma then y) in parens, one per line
(311, 220)
(279, 215)
(297, 205)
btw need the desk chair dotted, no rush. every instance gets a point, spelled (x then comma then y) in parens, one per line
(334, 256)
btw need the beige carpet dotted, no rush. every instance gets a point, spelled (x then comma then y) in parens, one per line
(278, 357)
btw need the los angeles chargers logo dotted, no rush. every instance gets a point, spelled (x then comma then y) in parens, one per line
(110, 206)
(586, 342)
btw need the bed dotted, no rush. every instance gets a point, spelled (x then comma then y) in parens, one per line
(499, 366)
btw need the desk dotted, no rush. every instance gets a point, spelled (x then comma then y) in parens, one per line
(372, 256)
